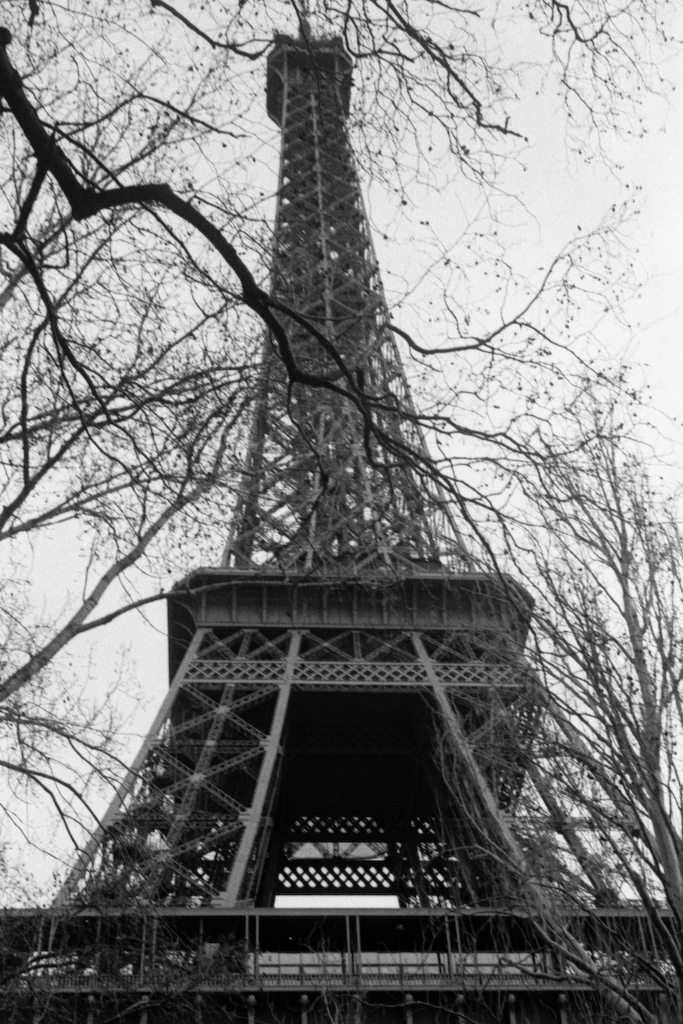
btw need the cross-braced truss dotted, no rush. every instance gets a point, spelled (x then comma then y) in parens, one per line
(307, 761)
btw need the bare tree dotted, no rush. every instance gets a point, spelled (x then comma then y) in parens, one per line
(135, 275)
(592, 853)
(609, 569)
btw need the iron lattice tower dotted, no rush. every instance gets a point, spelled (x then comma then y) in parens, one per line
(348, 703)
(321, 491)
(295, 752)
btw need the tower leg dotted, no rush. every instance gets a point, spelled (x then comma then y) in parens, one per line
(501, 833)
(253, 819)
(80, 868)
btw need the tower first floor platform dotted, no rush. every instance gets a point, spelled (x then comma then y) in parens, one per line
(325, 735)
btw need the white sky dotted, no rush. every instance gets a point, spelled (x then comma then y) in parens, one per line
(560, 194)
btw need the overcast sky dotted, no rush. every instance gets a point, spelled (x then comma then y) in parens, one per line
(561, 194)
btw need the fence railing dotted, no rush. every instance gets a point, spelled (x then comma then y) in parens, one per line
(326, 970)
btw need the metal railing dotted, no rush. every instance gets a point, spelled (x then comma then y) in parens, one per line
(326, 970)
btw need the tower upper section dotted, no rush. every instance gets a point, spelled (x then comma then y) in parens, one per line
(336, 469)
(292, 60)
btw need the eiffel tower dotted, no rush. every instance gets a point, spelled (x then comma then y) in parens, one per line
(337, 732)
(293, 753)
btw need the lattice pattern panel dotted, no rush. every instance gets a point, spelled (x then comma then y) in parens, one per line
(314, 828)
(363, 675)
(358, 675)
(239, 670)
(359, 856)
(351, 878)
